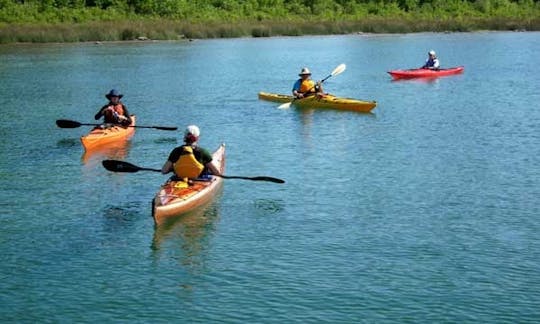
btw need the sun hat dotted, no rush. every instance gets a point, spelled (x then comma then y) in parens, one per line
(113, 93)
(304, 71)
(432, 52)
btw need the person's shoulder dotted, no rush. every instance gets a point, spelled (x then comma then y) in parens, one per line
(202, 150)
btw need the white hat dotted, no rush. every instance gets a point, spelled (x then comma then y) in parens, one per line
(432, 52)
(193, 130)
(305, 71)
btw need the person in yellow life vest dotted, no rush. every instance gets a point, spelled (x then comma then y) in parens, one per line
(115, 112)
(305, 87)
(189, 160)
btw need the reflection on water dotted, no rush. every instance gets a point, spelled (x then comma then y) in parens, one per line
(166, 140)
(427, 80)
(67, 143)
(114, 151)
(187, 237)
(268, 206)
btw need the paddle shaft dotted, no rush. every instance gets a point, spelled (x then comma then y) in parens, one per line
(121, 166)
(65, 123)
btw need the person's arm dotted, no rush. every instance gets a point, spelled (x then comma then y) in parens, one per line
(318, 87)
(436, 64)
(126, 119)
(100, 113)
(167, 167)
(295, 89)
(212, 168)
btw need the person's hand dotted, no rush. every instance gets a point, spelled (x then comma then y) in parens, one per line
(299, 95)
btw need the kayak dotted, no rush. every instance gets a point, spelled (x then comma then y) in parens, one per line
(175, 198)
(106, 134)
(327, 101)
(424, 73)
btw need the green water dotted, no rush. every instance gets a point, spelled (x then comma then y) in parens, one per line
(425, 210)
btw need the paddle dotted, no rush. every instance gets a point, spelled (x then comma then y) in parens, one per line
(121, 166)
(65, 123)
(338, 70)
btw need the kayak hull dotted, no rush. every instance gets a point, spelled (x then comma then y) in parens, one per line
(425, 73)
(101, 137)
(173, 200)
(328, 101)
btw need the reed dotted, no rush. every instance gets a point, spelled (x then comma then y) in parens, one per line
(162, 29)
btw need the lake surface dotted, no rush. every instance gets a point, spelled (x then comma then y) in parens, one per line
(425, 210)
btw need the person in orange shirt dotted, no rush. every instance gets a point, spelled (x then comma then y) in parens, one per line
(115, 112)
(305, 87)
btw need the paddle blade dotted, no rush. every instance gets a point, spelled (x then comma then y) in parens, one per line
(269, 179)
(119, 166)
(339, 69)
(261, 178)
(166, 128)
(286, 105)
(65, 123)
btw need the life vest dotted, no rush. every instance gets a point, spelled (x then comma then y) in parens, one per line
(187, 166)
(307, 86)
(112, 116)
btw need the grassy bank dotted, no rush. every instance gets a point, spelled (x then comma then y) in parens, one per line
(107, 20)
(173, 30)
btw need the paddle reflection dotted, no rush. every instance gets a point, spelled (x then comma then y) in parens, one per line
(186, 238)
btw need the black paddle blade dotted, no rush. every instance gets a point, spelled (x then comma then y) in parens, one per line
(66, 123)
(269, 179)
(165, 128)
(119, 166)
(261, 178)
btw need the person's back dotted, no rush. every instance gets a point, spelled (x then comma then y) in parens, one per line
(189, 161)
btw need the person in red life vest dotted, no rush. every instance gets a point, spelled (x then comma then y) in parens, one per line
(305, 87)
(115, 112)
(190, 161)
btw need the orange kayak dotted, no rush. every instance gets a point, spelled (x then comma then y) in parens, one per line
(103, 135)
(175, 198)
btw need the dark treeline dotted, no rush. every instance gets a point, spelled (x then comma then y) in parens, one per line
(81, 20)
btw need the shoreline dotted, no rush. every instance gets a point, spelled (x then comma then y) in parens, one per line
(167, 30)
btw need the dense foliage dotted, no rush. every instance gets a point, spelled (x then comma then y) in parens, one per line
(51, 11)
(84, 20)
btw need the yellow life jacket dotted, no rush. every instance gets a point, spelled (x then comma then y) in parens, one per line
(187, 165)
(307, 86)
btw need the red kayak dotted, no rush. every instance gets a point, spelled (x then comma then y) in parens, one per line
(424, 73)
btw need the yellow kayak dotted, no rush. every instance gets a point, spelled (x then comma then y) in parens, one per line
(326, 101)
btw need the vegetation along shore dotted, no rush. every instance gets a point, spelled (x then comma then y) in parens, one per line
(41, 21)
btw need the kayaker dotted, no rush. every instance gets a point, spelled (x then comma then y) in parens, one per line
(190, 161)
(432, 62)
(115, 112)
(305, 87)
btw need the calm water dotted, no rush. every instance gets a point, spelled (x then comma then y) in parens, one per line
(426, 210)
